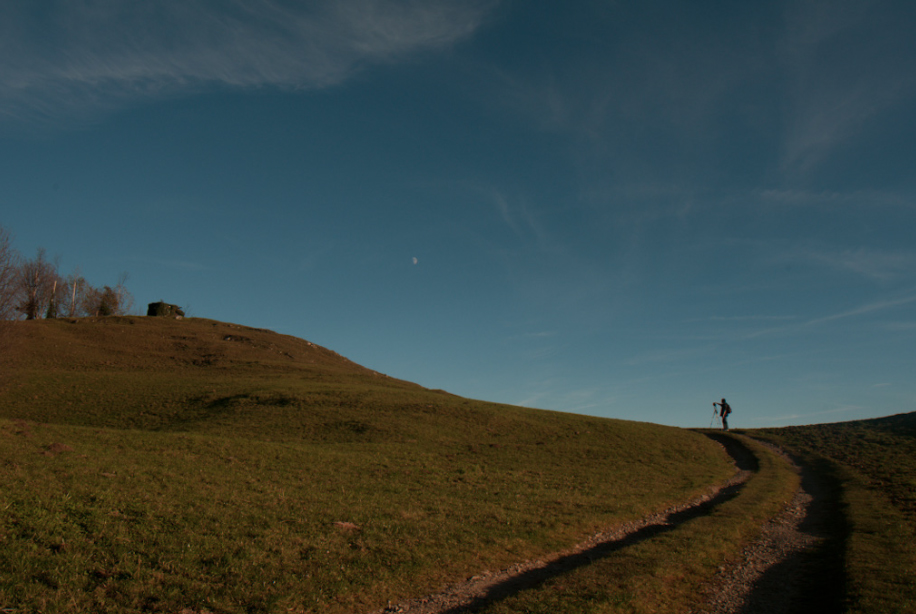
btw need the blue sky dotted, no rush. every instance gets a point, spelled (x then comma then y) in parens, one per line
(625, 209)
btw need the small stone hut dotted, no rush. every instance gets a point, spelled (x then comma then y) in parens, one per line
(164, 310)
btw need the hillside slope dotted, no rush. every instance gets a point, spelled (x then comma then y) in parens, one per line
(881, 450)
(165, 374)
(160, 465)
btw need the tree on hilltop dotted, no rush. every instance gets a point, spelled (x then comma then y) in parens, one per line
(108, 301)
(9, 273)
(125, 298)
(9, 276)
(72, 295)
(32, 289)
(37, 282)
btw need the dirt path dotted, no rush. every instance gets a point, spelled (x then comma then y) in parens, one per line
(490, 587)
(795, 565)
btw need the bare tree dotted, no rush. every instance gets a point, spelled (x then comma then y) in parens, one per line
(54, 300)
(9, 276)
(125, 299)
(91, 300)
(106, 301)
(37, 281)
(33, 289)
(72, 295)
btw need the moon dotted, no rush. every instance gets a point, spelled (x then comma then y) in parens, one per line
(415, 260)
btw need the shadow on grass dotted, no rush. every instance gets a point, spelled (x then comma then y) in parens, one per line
(201, 410)
(743, 457)
(817, 577)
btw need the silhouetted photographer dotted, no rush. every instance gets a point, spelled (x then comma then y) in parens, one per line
(724, 410)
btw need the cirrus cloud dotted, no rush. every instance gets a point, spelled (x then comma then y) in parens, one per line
(95, 54)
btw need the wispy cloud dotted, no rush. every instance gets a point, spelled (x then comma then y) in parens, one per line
(576, 400)
(91, 54)
(519, 217)
(862, 310)
(829, 198)
(748, 318)
(183, 265)
(541, 334)
(532, 400)
(666, 356)
(806, 416)
(837, 53)
(899, 327)
(623, 82)
(873, 264)
(876, 265)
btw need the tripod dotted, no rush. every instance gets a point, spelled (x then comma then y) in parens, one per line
(715, 414)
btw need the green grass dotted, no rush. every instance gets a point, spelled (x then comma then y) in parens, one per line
(126, 518)
(198, 466)
(671, 569)
(874, 463)
(158, 465)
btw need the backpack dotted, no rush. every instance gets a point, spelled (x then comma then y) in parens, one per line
(726, 409)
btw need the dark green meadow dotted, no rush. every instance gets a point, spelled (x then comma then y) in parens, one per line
(164, 466)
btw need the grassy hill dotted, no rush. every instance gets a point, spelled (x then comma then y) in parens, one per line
(195, 466)
(158, 465)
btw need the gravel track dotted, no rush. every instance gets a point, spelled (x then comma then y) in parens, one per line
(773, 574)
(795, 565)
(488, 587)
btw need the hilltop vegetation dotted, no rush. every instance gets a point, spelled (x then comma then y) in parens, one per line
(151, 464)
(35, 288)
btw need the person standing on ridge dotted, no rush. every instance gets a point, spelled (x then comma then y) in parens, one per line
(724, 410)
